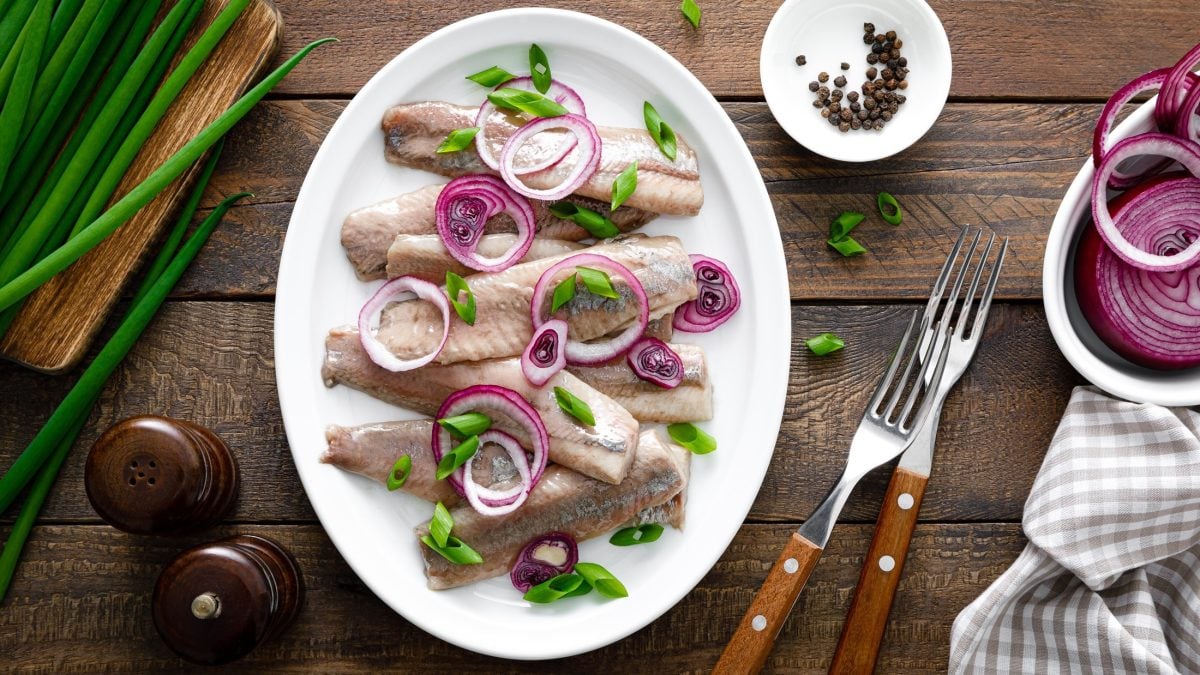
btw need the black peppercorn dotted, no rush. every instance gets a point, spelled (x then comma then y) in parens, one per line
(903, 84)
(887, 74)
(817, 103)
(836, 94)
(834, 119)
(870, 103)
(878, 124)
(869, 27)
(835, 107)
(825, 112)
(880, 38)
(872, 58)
(800, 60)
(903, 61)
(814, 85)
(823, 77)
(839, 81)
(855, 124)
(823, 92)
(891, 35)
(877, 49)
(901, 73)
(886, 116)
(844, 127)
(855, 107)
(846, 115)
(890, 84)
(868, 39)
(874, 114)
(871, 73)
(863, 114)
(898, 43)
(901, 98)
(845, 66)
(895, 53)
(853, 95)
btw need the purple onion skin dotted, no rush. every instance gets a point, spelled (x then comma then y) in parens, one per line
(525, 575)
(528, 571)
(718, 297)
(652, 360)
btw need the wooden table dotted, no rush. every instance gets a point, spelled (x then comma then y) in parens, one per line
(1029, 78)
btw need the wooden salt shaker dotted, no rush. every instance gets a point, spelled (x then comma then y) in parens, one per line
(216, 602)
(156, 475)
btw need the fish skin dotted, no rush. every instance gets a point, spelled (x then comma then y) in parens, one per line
(503, 326)
(413, 131)
(367, 233)
(603, 451)
(563, 501)
(423, 255)
(690, 401)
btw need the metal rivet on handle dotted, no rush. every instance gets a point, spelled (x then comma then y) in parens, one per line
(759, 622)
(887, 563)
(905, 501)
(790, 565)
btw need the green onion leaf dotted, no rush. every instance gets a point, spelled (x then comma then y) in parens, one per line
(456, 286)
(596, 224)
(602, 580)
(455, 550)
(825, 343)
(841, 226)
(624, 185)
(539, 68)
(584, 589)
(692, 11)
(527, 102)
(597, 282)
(563, 292)
(660, 131)
(574, 406)
(632, 536)
(692, 437)
(885, 201)
(457, 140)
(441, 524)
(399, 473)
(847, 246)
(491, 77)
(466, 425)
(556, 588)
(457, 457)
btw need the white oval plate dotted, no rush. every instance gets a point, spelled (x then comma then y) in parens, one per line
(614, 70)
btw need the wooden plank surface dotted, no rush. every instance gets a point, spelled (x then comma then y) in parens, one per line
(85, 590)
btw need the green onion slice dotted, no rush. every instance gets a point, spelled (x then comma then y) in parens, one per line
(399, 473)
(457, 140)
(556, 588)
(692, 437)
(563, 292)
(660, 131)
(692, 11)
(491, 77)
(847, 246)
(456, 287)
(624, 185)
(841, 226)
(632, 536)
(825, 343)
(466, 425)
(601, 579)
(527, 102)
(457, 457)
(539, 68)
(597, 282)
(455, 550)
(885, 201)
(574, 406)
(441, 524)
(596, 224)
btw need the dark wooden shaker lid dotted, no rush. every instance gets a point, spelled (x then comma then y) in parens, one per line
(216, 602)
(156, 475)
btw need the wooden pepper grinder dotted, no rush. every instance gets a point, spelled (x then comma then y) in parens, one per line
(216, 602)
(156, 475)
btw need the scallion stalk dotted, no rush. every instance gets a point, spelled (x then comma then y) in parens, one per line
(10, 31)
(16, 103)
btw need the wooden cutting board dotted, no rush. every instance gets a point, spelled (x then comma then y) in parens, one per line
(58, 322)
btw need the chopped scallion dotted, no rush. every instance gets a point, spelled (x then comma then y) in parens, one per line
(491, 77)
(624, 185)
(457, 140)
(597, 282)
(692, 11)
(595, 223)
(825, 343)
(455, 550)
(539, 68)
(466, 425)
(556, 588)
(692, 437)
(563, 293)
(632, 536)
(399, 473)
(841, 226)
(847, 246)
(574, 406)
(886, 201)
(527, 102)
(456, 287)
(660, 131)
(460, 455)
(601, 579)
(441, 524)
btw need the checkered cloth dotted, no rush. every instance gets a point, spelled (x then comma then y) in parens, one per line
(1110, 579)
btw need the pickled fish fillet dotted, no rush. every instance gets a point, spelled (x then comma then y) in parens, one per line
(691, 401)
(370, 450)
(562, 501)
(423, 255)
(413, 131)
(603, 451)
(503, 326)
(368, 232)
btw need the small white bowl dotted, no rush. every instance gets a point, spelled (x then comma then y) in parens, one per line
(829, 33)
(1075, 337)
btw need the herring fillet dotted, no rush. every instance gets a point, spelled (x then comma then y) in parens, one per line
(503, 326)
(368, 232)
(603, 451)
(563, 501)
(690, 401)
(425, 257)
(413, 131)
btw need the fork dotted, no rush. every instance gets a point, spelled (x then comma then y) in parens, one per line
(862, 633)
(883, 433)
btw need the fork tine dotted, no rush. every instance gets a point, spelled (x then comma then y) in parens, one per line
(941, 339)
(886, 382)
(913, 358)
(905, 424)
(952, 299)
(961, 328)
(939, 286)
(986, 302)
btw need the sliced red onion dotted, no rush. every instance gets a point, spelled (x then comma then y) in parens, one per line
(491, 502)
(546, 353)
(505, 402)
(717, 297)
(369, 316)
(586, 162)
(543, 559)
(1170, 96)
(1118, 236)
(653, 361)
(580, 353)
(562, 94)
(463, 209)
(1187, 122)
(1108, 117)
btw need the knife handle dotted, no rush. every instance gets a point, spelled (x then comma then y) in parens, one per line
(863, 631)
(751, 643)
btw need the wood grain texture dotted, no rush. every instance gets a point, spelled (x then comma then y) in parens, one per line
(1043, 44)
(57, 322)
(211, 363)
(81, 602)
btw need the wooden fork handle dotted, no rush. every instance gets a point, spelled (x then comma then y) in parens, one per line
(751, 643)
(863, 631)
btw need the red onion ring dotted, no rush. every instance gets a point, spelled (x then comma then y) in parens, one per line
(1180, 150)
(546, 353)
(1108, 117)
(587, 163)
(592, 353)
(653, 361)
(561, 93)
(529, 570)
(491, 502)
(462, 211)
(718, 297)
(1170, 95)
(1187, 122)
(373, 309)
